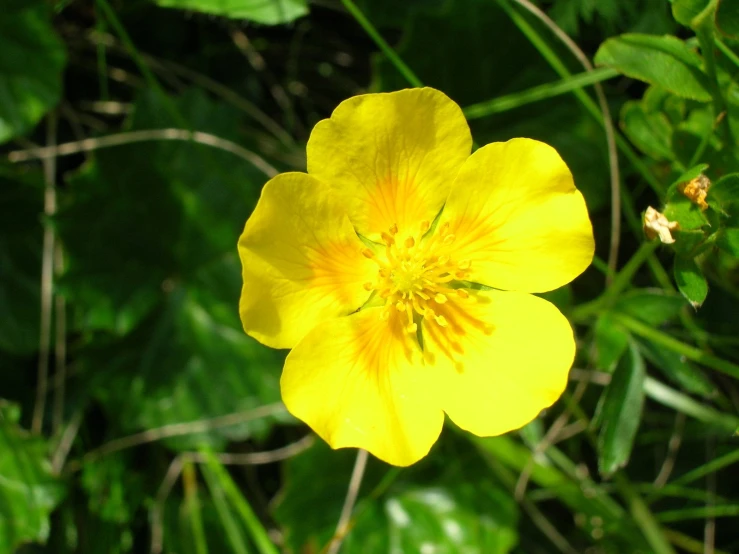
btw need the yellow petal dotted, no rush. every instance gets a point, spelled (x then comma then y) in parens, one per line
(518, 218)
(501, 359)
(359, 381)
(391, 157)
(301, 262)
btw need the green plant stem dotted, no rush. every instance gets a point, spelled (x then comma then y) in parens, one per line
(726, 51)
(620, 282)
(537, 93)
(712, 466)
(193, 508)
(251, 521)
(705, 37)
(230, 525)
(643, 516)
(667, 396)
(151, 79)
(690, 352)
(399, 64)
(702, 512)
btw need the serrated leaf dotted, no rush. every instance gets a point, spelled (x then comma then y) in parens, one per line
(690, 281)
(28, 491)
(652, 306)
(650, 132)
(621, 408)
(678, 369)
(611, 341)
(665, 61)
(727, 18)
(267, 12)
(31, 63)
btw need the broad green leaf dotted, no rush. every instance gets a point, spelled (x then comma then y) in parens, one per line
(652, 306)
(685, 10)
(728, 240)
(159, 279)
(665, 61)
(650, 132)
(678, 369)
(611, 341)
(727, 18)
(687, 243)
(31, 63)
(268, 12)
(621, 409)
(21, 232)
(28, 491)
(690, 280)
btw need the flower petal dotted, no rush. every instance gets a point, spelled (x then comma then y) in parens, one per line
(359, 381)
(301, 262)
(518, 218)
(503, 357)
(391, 157)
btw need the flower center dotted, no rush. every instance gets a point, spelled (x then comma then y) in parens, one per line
(415, 275)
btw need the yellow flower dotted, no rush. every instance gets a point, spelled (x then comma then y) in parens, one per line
(364, 266)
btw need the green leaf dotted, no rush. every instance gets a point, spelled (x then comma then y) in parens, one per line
(267, 12)
(28, 491)
(611, 341)
(679, 370)
(723, 195)
(650, 132)
(652, 306)
(727, 18)
(728, 240)
(690, 281)
(621, 408)
(680, 208)
(687, 242)
(665, 61)
(684, 11)
(114, 492)
(21, 236)
(31, 63)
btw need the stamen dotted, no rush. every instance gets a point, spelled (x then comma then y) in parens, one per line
(400, 306)
(463, 293)
(412, 328)
(441, 320)
(387, 239)
(449, 239)
(425, 226)
(410, 242)
(367, 253)
(394, 229)
(464, 264)
(368, 286)
(440, 298)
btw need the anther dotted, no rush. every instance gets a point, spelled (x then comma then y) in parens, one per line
(439, 298)
(442, 260)
(400, 306)
(425, 225)
(368, 286)
(394, 229)
(410, 242)
(412, 328)
(448, 239)
(387, 239)
(460, 274)
(444, 229)
(463, 293)
(464, 264)
(384, 315)
(367, 253)
(441, 320)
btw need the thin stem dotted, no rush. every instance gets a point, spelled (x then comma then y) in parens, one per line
(673, 446)
(47, 279)
(351, 498)
(399, 64)
(131, 137)
(60, 347)
(690, 352)
(537, 93)
(179, 429)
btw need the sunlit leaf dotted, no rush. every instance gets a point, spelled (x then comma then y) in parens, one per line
(665, 61)
(268, 12)
(690, 280)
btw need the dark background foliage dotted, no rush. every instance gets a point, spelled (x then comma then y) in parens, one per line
(136, 416)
